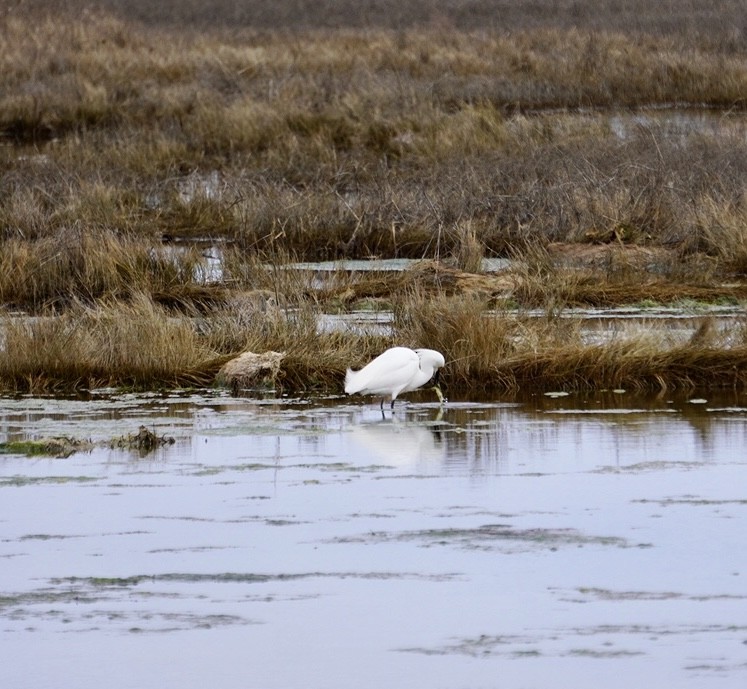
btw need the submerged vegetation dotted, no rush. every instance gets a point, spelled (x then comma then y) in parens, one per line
(54, 447)
(603, 154)
(144, 441)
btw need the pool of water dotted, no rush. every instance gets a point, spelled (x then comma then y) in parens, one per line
(315, 542)
(384, 265)
(597, 325)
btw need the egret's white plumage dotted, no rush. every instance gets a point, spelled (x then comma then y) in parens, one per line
(397, 370)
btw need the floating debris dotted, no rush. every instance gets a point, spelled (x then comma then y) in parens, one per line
(144, 441)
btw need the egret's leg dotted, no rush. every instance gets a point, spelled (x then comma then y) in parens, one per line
(382, 404)
(392, 406)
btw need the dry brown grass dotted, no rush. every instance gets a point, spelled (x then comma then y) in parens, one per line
(461, 134)
(720, 23)
(313, 359)
(643, 364)
(134, 345)
(368, 142)
(74, 265)
(138, 344)
(471, 340)
(509, 351)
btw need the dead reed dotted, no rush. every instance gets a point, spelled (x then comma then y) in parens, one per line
(511, 351)
(637, 364)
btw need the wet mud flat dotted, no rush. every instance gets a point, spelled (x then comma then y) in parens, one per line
(545, 541)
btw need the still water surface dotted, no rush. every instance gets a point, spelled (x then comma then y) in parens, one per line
(572, 541)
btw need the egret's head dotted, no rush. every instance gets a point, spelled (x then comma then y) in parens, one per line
(433, 360)
(430, 357)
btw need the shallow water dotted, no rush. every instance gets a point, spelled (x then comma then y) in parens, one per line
(549, 541)
(385, 265)
(677, 123)
(596, 325)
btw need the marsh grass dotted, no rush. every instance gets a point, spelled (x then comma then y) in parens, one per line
(723, 232)
(60, 447)
(688, 20)
(138, 344)
(471, 339)
(77, 265)
(509, 351)
(282, 134)
(134, 344)
(640, 364)
(469, 250)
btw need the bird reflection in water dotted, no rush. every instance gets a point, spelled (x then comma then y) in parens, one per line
(401, 443)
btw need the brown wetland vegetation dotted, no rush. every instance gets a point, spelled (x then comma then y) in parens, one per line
(601, 150)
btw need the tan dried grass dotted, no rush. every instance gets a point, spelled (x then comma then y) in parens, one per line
(133, 344)
(76, 265)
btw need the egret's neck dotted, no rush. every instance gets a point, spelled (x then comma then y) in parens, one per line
(425, 374)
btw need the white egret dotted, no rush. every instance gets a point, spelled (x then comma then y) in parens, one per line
(397, 370)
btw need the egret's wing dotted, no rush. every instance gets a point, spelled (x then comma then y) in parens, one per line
(387, 373)
(389, 381)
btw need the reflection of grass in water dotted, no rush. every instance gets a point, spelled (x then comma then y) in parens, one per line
(641, 467)
(258, 429)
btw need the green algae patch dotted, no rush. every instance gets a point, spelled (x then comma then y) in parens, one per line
(61, 447)
(144, 442)
(20, 481)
